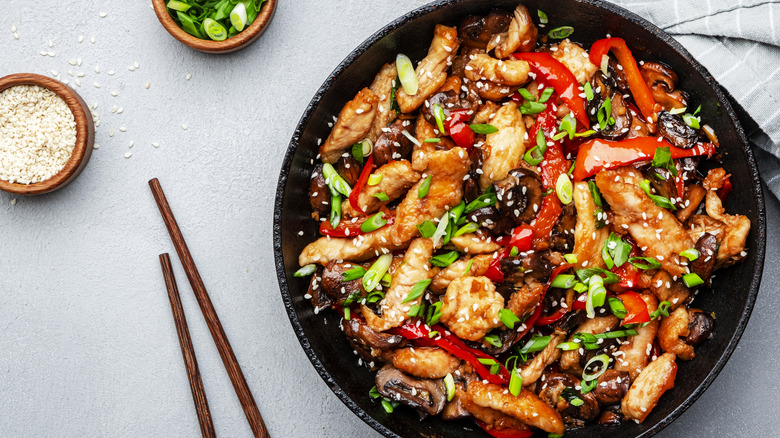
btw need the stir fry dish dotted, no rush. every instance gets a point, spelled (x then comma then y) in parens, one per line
(514, 230)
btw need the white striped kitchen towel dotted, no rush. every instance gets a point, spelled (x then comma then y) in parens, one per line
(739, 43)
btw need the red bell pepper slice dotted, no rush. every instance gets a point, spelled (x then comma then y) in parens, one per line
(547, 320)
(418, 332)
(457, 116)
(580, 302)
(636, 83)
(347, 228)
(494, 272)
(725, 189)
(361, 182)
(553, 166)
(550, 70)
(521, 238)
(599, 154)
(462, 135)
(636, 307)
(505, 433)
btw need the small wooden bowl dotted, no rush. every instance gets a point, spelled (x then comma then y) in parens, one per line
(85, 135)
(237, 42)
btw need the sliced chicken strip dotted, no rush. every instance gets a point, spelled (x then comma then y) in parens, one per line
(655, 230)
(475, 243)
(414, 270)
(737, 226)
(397, 177)
(505, 148)
(383, 88)
(473, 267)
(634, 356)
(526, 407)
(358, 248)
(521, 35)
(353, 124)
(648, 388)
(432, 70)
(550, 354)
(447, 169)
(425, 362)
(576, 59)
(470, 307)
(588, 240)
(510, 72)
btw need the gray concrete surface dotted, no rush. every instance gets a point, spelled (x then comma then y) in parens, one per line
(87, 342)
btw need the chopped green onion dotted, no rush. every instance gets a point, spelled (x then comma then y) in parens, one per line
(560, 33)
(347, 313)
(678, 110)
(376, 272)
(508, 318)
(662, 310)
(515, 382)
(526, 95)
(536, 154)
(604, 114)
(587, 133)
(353, 274)
(537, 343)
(335, 210)
(449, 383)
(374, 393)
(188, 24)
(601, 358)
(374, 179)
(432, 140)
(427, 229)
(334, 180)
(438, 114)
(305, 271)
(691, 121)
(483, 128)
(568, 346)
(617, 307)
(697, 110)
(572, 396)
(434, 313)
(587, 386)
(468, 267)
(433, 334)
(586, 274)
(441, 229)
(564, 189)
(570, 258)
(416, 310)
(422, 191)
(663, 159)
(382, 196)
(373, 223)
(568, 125)
(616, 334)
(691, 254)
(563, 281)
(532, 107)
(493, 340)
(389, 405)
(658, 200)
(615, 251)
(444, 260)
(649, 263)
(580, 287)
(214, 30)
(692, 280)
(594, 191)
(494, 366)
(177, 6)
(238, 16)
(417, 290)
(588, 91)
(484, 200)
(605, 64)
(542, 17)
(596, 295)
(357, 152)
(466, 229)
(386, 279)
(406, 74)
(546, 93)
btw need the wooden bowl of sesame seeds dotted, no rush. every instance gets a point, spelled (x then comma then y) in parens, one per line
(85, 135)
(237, 42)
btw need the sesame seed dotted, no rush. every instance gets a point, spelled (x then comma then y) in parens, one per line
(128, 154)
(103, 14)
(122, 129)
(184, 126)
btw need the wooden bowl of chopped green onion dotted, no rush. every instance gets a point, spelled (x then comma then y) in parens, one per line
(211, 26)
(46, 134)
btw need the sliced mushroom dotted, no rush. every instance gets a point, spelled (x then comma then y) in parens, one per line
(535, 265)
(612, 386)
(662, 181)
(475, 31)
(622, 117)
(334, 284)
(357, 329)
(557, 389)
(699, 327)
(671, 334)
(319, 193)
(611, 415)
(393, 144)
(694, 194)
(349, 169)
(519, 195)
(319, 299)
(427, 396)
(562, 237)
(707, 245)
(663, 83)
(666, 289)
(673, 128)
(447, 100)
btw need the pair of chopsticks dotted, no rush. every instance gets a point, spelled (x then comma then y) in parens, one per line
(212, 320)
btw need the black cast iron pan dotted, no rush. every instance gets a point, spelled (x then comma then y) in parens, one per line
(731, 299)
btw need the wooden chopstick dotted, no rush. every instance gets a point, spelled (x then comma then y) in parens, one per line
(196, 384)
(210, 315)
